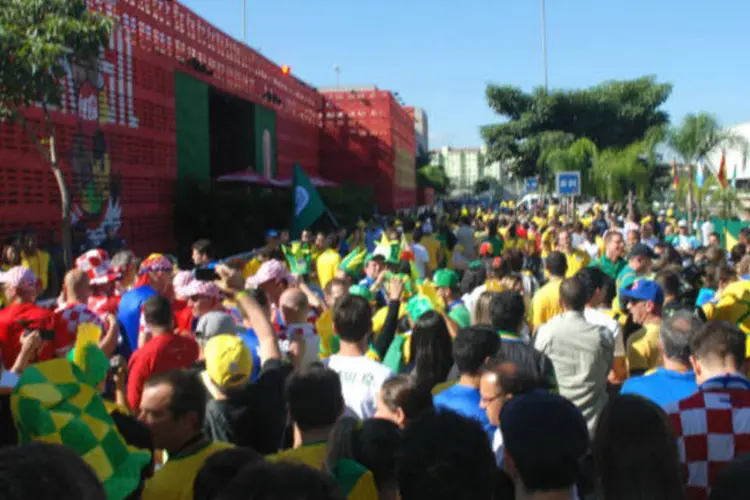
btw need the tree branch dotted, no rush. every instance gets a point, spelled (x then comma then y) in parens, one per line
(16, 115)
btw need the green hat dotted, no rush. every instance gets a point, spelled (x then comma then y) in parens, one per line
(53, 402)
(94, 364)
(445, 278)
(361, 291)
(354, 262)
(475, 264)
(417, 306)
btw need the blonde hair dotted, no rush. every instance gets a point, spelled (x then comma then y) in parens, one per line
(482, 312)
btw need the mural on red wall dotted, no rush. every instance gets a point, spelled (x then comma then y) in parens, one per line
(99, 97)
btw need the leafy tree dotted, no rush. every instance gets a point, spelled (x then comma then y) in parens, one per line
(38, 39)
(693, 140)
(431, 176)
(611, 115)
(486, 184)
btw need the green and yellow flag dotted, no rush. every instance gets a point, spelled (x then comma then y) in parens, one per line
(308, 206)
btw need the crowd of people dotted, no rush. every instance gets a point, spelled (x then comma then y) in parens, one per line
(473, 353)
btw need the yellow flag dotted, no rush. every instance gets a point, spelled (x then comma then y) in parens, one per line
(87, 334)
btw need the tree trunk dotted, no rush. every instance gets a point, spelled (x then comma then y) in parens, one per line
(690, 198)
(67, 243)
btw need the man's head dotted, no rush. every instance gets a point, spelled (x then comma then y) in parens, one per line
(670, 283)
(545, 437)
(77, 288)
(173, 406)
(445, 456)
(335, 289)
(273, 278)
(682, 227)
(640, 258)
(716, 349)
(159, 269)
(294, 306)
(508, 311)
(676, 333)
(314, 398)
(447, 284)
(320, 240)
(501, 380)
(573, 294)
(714, 240)
(157, 313)
(30, 241)
(564, 241)
(203, 252)
(634, 238)
(306, 237)
(644, 301)
(374, 265)
(352, 319)
(202, 297)
(557, 264)
(19, 285)
(647, 230)
(228, 362)
(473, 347)
(592, 280)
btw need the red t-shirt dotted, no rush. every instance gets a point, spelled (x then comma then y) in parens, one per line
(160, 354)
(11, 331)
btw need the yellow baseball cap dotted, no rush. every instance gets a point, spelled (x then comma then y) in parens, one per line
(228, 361)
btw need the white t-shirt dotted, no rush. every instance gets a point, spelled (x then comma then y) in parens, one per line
(596, 317)
(421, 258)
(310, 337)
(361, 379)
(592, 249)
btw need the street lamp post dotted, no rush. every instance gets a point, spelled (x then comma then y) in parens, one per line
(544, 44)
(244, 21)
(337, 70)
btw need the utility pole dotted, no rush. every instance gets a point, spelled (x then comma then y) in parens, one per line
(544, 45)
(244, 21)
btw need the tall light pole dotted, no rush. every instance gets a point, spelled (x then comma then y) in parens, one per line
(337, 70)
(244, 21)
(544, 44)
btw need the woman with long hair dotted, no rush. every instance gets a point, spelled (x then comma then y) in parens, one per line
(431, 349)
(635, 452)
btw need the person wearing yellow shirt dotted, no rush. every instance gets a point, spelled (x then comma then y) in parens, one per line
(546, 304)
(549, 237)
(433, 247)
(644, 302)
(315, 404)
(37, 260)
(732, 305)
(328, 261)
(577, 259)
(173, 407)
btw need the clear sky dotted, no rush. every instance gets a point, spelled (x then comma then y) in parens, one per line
(440, 54)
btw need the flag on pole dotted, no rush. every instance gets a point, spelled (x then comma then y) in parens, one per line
(675, 178)
(722, 175)
(700, 176)
(308, 207)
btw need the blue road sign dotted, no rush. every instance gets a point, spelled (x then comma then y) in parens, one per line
(569, 184)
(531, 184)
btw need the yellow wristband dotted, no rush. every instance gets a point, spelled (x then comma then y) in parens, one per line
(241, 293)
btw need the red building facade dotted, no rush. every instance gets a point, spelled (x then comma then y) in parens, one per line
(128, 130)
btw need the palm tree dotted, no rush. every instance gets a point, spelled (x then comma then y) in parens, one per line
(696, 137)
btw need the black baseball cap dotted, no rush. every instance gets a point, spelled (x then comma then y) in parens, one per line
(642, 250)
(543, 429)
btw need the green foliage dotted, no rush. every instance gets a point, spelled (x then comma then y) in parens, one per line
(431, 176)
(486, 184)
(37, 37)
(611, 115)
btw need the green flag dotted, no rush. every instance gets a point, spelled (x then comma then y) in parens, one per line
(308, 206)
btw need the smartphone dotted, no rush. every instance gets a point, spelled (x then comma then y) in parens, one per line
(206, 274)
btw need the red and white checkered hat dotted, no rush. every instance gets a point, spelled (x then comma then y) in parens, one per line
(197, 288)
(181, 281)
(18, 277)
(96, 265)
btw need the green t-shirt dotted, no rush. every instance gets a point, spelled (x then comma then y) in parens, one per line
(611, 269)
(460, 314)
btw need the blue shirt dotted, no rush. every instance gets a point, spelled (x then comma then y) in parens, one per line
(662, 387)
(465, 400)
(251, 341)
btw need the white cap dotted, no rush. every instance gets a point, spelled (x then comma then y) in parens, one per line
(682, 223)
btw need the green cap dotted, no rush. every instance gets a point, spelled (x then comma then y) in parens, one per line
(476, 264)
(417, 306)
(361, 291)
(445, 278)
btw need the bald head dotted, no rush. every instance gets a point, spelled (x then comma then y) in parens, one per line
(294, 305)
(77, 286)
